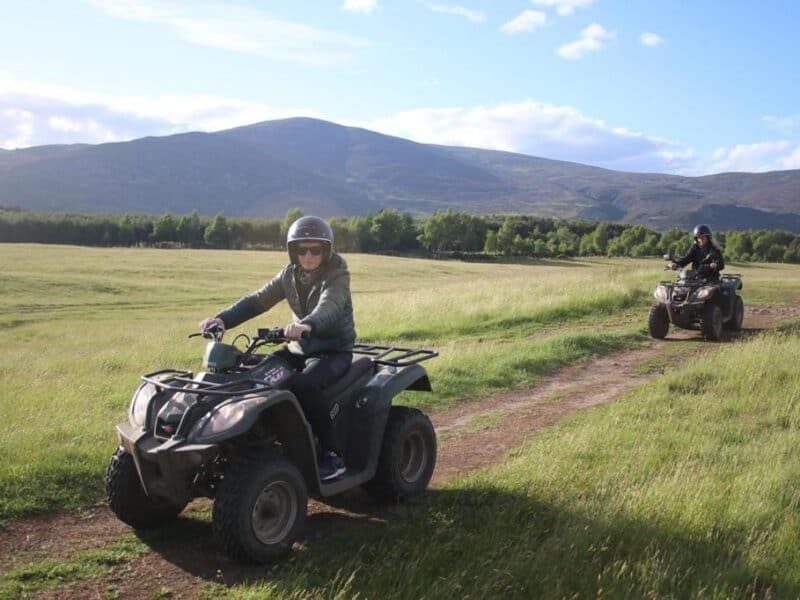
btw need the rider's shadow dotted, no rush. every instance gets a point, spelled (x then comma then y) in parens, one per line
(458, 533)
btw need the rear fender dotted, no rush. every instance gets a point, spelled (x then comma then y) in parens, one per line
(371, 413)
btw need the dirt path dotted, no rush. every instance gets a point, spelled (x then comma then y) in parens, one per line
(471, 435)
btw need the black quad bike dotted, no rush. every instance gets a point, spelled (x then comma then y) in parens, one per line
(694, 302)
(235, 433)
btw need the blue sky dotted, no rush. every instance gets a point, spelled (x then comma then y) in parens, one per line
(690, 88)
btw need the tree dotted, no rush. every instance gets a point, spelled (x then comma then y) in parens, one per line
(490, 247)
(127, 230)
(738, 244)
(218, 233)
(454, 231)
(392, 231)
(165, 229)
(291, 216)
(190, 230)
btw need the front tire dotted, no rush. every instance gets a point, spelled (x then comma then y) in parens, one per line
(128, 500)
(260, 509)
(735, 324)
(712, 322)
(408, 456)
(658, 321)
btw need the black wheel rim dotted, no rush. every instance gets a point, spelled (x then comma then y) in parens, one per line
(274, 512)
(414, 458)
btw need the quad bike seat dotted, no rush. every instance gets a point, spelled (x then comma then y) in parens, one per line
(359, 367)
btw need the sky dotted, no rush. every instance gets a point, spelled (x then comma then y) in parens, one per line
(646, 86)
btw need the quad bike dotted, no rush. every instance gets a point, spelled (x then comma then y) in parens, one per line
(235, 433)
(694, 302)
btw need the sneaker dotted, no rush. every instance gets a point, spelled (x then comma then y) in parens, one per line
(331, 466)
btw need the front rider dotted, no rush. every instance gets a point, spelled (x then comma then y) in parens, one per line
(316, 284)
(705, 255)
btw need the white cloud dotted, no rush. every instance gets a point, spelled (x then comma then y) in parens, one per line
(16, 127)
(474, 16)
(539, 129)
(563, 7)
(366, 7)
(33, 113)
(757, 157)
(650, 39)
(239, 28)
(592, 39)
(527, 20)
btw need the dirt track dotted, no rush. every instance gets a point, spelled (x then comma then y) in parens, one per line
(472, 435)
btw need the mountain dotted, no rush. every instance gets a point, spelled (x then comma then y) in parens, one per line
(328, 169)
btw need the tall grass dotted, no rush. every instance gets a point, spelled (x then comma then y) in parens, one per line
(81, 325)
(687, 488)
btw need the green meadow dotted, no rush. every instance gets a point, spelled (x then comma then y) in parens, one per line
(687, 487)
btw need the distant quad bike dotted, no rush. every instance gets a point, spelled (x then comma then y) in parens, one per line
(694, 302)
(235, 433)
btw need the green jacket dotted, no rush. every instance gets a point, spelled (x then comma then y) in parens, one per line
(328, 308)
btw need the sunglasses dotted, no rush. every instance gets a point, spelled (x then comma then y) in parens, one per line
(314, 250)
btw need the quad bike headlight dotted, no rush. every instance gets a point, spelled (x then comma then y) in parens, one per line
(224, 417)
(140, 402)
(661, 294)
(705, 292)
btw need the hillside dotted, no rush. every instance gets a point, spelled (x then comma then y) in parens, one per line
(266, 168)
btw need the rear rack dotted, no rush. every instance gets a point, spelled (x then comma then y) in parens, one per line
(202, 388)
(392, 356)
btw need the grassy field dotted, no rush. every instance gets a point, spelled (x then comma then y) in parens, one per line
(83, 323)
(687, 488)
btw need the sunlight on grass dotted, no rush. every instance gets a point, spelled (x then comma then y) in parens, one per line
(83, 323)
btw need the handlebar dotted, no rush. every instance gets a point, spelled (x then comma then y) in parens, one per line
(276, 335)
(212, 333)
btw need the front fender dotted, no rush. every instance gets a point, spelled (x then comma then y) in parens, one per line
(280, 409)
(255, 405)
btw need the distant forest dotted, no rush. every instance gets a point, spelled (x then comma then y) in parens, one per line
(444, 234)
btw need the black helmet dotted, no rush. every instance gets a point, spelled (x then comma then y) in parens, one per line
(310, 229)
(701, 230)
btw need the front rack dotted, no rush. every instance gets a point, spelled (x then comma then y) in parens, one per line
(202, 388)
(392, 356)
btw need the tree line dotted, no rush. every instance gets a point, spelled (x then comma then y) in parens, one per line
(390, 231)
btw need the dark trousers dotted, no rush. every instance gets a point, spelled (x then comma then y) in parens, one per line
(314, 374)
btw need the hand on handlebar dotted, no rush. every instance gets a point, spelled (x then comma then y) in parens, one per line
(295, 331)
(211, 323)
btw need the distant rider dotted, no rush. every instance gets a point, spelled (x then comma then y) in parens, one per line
(316, 284)
(705, 255)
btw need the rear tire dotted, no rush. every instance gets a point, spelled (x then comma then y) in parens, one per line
(712, 322)
(658, 321)
(735, 324)
(128, 500)
(408, 456)
(260, 509)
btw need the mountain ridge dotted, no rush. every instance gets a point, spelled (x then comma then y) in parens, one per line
(266, 168)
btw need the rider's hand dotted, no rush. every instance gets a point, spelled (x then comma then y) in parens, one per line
(294, 331)
(210, 322)
(714, 266)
